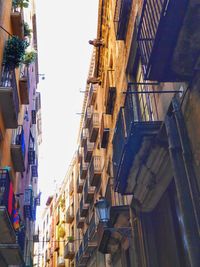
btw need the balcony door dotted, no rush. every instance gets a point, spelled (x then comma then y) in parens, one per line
(163, 235)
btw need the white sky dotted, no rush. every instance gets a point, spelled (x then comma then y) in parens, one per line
(64, 28)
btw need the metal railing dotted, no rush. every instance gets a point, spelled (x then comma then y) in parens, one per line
(152, 12)
(8, 80)
(18, 138)
(121, 18)
(119, 140)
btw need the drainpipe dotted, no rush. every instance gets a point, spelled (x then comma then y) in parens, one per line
(188, 160)
(189, 227)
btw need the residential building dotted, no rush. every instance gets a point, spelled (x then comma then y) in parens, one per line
(18, 137)
(139, 138)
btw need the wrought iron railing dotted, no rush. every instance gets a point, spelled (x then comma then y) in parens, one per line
(121, 18)
(152, 12)
(18, 138)
(119, 140)
(8, 80)
(6, 191)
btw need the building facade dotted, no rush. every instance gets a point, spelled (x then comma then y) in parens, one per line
(139, 139)
(18, 132)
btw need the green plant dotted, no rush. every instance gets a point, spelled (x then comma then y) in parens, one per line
(14, 51)
(29, 57)
(70, 238)
(20, 3)
(27, 30)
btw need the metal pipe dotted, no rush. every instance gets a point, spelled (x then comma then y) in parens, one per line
(187, 157)
(188, 226)
(153, 92)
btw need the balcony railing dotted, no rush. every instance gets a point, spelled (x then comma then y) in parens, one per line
(79, 154)
(105, 130)
(84, 136)
(17, 19)
(83, 169)
(88, 116)
(88, 150)
(158, 35)
(137, 121)
(95, 170)
(79, 220)
(121, 18)
(70, 214)
(89, 244)
(119, 140)
(69, 251)
(13, 253)
(71, 187)
(110, 104)
(83, 208)
(81, 256)
(24, 86)
(31, 156)
(79, 184)
(93, 93)
(89, 192)
(18, 149)
(94, 127)
(9, 100)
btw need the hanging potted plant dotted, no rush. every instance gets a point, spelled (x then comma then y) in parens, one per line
(70, 239)
(27, 30)
(29, 57)
(20, 4)
(14, 52)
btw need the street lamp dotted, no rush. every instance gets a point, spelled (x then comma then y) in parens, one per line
(103, 210)
(103, 213)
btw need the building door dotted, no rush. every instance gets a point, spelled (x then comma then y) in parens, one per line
(163, 236)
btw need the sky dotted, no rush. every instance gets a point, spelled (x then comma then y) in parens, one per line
(63, 30)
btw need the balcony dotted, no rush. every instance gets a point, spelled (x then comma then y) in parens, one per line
(166, 41)
(71, 187)
(90, 237)
(95, 170)
(61, 262)
(89, 244)
(83, 208)
(79, 185)
(9, 101)
(81, 257)
(79, 220)
(17, 20)
(84, 136)
(70, 214)
(18, 149)
(105, 130)
(83, 169)
(79, 154)
(135, 133)
(88, 150)
(24, 86)
(121, 18)
(94, 127)
(108, 241)
(69, 251)
(10, 249)
(56, 245)
(30, 204)
(88, 116)
(33, 116)
(111, 97)
(93, 93)
(31, 156)
(89, 192)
